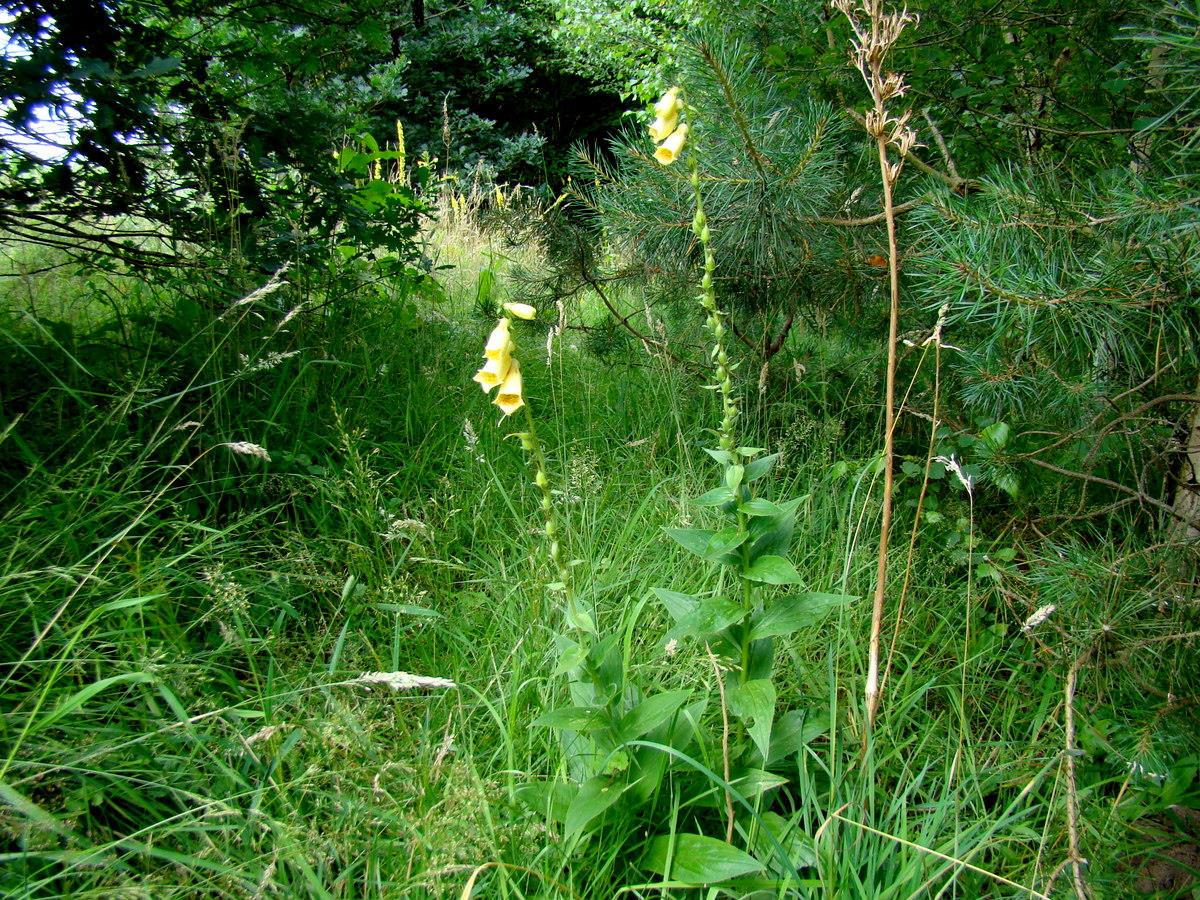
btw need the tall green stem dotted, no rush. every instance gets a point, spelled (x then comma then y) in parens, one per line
(554, 536)
(708, 300)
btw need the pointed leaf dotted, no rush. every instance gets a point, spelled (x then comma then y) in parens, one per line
(772, 535)
(754, 703)
(77, 700)
(722, 456)
(773, 570)
(724, 541)
(694, 540)
(795, 729)
(750, 783)
(711, 615)
(572, 718)
(760, 467)
(761, 507)
(571, 656)
(595, 796)
(787, 614)
(650, 713)
(995, 436)
(715, 497)
(795, 841)
(733, 476)
(678, 604)
(548, 798)
(697, 859)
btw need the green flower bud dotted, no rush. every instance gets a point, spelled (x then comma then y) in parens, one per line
(540, 479)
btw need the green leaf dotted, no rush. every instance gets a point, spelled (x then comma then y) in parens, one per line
(995, 436)
(794, 730)
(572, 718)
(650, 713)
(715, 497)
(693, 540)
(747, 452)
(571, 656)
(595, 796)
(697, 859)
(679, 605)
(722, 456)
(710, 616)
(760, 467)
(750, 783)
(754, 703)
(799, 846)
(548, 798)
(789, 613)
(773, 534)
(156, 67)
(724, 541)
(760, 507)
(733, 476)
(772, 570)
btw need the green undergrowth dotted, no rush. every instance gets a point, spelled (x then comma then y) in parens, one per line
(184, 621)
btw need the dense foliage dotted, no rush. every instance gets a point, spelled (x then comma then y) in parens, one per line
(213, 126)
(282, 612)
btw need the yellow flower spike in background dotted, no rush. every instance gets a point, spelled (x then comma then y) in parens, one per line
(503, 370)
(510, 397)
(672, 146)
(521, 310)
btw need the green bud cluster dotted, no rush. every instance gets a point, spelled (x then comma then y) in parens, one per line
(708, 300)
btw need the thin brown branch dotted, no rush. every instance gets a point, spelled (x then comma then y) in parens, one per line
(868, 220)
(1141, 496)
(941, 145)
(624, 321)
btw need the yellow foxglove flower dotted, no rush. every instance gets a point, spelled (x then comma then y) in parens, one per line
(494, 372)
(668, 107)
(672, 146)
(521, 310)
(499, 344)
(662, 127)
(510, 398)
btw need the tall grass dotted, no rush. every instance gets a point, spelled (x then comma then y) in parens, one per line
(181, 624)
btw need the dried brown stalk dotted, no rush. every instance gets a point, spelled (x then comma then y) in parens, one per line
(875, 34)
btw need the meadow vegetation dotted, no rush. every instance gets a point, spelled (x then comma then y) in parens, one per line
(289, 608)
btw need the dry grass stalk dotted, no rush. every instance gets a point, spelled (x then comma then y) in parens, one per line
(875, 35)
